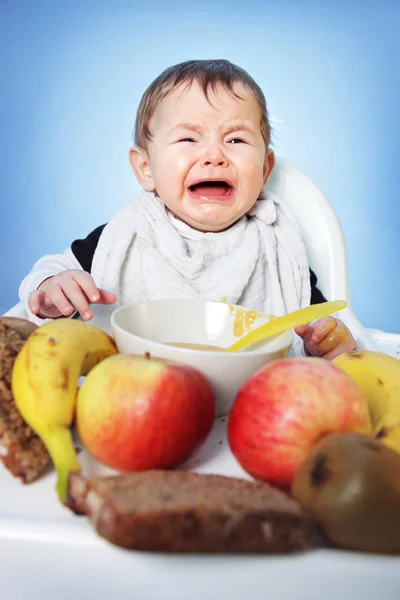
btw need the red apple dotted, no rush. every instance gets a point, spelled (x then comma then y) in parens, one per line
(135, 414)
(287, 407)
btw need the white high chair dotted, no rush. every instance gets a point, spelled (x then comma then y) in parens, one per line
(326, 251)
(60, 556)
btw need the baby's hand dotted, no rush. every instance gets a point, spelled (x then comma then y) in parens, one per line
(67, 292)
(327, 338)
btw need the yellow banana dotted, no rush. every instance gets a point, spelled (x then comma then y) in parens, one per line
(378, 377)
(45, 382)
(389, 434)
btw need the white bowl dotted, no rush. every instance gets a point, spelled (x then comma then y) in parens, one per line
(150, 326)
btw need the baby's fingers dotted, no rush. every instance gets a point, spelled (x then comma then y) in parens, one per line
(78, 299)
(339, 341)
(86, 283)
(305, 332)
(54, 297)
(107, 297)
(322, 328)
(92, 292)
(35, 301)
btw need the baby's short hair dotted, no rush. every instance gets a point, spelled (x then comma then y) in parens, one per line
(208, 74)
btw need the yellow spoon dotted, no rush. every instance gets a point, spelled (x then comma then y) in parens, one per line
(289, 321)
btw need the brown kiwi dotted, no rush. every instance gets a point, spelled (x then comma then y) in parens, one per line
(351, 484)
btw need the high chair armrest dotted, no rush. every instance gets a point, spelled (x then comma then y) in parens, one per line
(16, 311)
(368, 338)
(388, 343)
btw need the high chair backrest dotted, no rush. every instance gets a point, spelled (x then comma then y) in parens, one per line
(320, 227)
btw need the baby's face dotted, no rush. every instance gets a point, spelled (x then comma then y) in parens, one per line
(207, 161)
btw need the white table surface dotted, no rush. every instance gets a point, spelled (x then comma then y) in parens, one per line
(46, 553)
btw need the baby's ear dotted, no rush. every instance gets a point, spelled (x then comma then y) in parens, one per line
(140, 164)
(269, 164)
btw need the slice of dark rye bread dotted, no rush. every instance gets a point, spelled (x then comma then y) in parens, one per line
(21, 450)
(178, 511)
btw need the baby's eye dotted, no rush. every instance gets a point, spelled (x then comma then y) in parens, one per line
(186, 140)
(236, 141)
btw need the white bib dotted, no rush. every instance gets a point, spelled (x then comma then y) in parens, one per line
(260, 262)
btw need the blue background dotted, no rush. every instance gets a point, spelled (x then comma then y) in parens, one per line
(73, 75)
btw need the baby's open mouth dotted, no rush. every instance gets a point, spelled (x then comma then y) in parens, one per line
(211, 189)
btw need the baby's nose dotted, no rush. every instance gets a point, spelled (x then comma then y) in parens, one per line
(214, 156)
